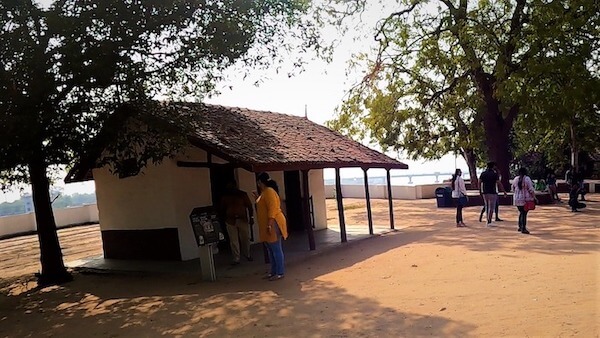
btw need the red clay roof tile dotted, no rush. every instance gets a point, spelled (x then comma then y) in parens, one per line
(265, 139)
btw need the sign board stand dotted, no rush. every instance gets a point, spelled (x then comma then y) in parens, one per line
(207, 263)
(207, 230)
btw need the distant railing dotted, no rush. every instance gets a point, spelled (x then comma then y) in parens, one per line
(436, 174)
(381, 180)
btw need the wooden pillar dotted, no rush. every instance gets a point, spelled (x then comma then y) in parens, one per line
(391, 203)
(368, 198)
(306, 211)
(340, 205)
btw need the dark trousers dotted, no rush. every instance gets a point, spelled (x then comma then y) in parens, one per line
(495, 209)
(576, 204)
(459, 217)
(522, 218)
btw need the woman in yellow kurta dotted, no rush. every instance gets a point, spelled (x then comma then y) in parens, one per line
(272, 225)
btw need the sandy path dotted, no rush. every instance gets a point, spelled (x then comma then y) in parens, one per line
(429, 279)
(21, 255)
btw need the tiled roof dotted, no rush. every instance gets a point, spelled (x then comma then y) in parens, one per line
(271, 141)
(260, 141)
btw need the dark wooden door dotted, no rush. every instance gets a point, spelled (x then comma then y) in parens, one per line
(219, 177)
(293, 200)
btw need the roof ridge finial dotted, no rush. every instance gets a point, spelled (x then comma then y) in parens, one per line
(306, 111)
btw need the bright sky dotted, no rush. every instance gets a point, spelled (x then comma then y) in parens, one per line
(321, 88)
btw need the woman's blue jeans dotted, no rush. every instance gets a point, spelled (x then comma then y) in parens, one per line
(276, 258)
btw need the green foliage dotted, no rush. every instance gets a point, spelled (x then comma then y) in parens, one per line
(417, 95)
(74, 200)
(66, 68)
(451, 75)
(12, 208)
(65, 71)
(567, 95)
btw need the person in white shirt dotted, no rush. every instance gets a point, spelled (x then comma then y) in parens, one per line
(459, 191)
(523, 192)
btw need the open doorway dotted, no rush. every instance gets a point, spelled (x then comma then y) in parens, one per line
(219, 177)
(293, 201)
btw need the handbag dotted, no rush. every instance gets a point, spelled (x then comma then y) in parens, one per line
(529, 205)
(463, 200)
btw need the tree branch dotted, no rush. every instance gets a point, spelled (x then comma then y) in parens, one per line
(391, 16)
(439, 93)
(507, 52)
(449, 5)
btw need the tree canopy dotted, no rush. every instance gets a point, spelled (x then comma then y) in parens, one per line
(65, 68)
(487, 56)
(563, 114)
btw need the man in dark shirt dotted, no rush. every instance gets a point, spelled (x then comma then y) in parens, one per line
(235, 209)
(488, 181)
(497, 219)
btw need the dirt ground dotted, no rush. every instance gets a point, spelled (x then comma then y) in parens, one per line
(427, 279)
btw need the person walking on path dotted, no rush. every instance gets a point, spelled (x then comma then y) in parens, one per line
(459, 192)
(523, 193)
(272, 224)
(489, 182)
(239, 216)
(495, 212)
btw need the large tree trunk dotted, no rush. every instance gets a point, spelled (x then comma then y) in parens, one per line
(497, 131)
(53, 268)
(497, 126)
(471, 159)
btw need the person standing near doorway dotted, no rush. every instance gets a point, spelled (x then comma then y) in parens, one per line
(237, 212)
(489, 181)
(272, 224)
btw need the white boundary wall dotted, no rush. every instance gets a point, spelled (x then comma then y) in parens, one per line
(404, 192)
(16, 224)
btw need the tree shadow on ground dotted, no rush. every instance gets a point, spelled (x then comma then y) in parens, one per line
(302, 305)
(554, 229)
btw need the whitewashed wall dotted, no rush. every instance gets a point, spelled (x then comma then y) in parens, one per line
(190, 189)
(17, 224)
(161, 197)
(144, 201)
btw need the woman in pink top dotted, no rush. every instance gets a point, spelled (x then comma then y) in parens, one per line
(523, 191)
